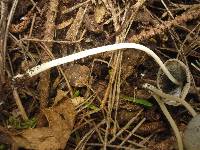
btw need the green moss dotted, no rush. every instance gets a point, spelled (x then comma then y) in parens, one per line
(17, 123)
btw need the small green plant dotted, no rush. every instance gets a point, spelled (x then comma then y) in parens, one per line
(92, 106)
(76, 93)
(137, 100)
(2, 147)
(18, 124)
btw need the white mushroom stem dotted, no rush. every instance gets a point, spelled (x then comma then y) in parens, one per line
(40, 68)
(171, 121)
(171, 97)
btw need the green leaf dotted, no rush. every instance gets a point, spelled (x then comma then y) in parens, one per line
(143, 102)
(137, 100)
(92, 106)
(76, 93)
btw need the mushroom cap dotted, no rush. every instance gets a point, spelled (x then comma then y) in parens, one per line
(180, 72)
(191, 137)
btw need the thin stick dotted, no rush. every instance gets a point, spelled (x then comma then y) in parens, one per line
(125, 127)
(171, 121)
(50, 41)
(40, 68)
(133, 131)
(19, 104)
(167, 9)
(18, 100)
(12, 11)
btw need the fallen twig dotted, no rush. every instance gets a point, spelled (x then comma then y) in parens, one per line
(49, 32)
(144, 35)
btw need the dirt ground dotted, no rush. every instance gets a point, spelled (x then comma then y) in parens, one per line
(97, 102)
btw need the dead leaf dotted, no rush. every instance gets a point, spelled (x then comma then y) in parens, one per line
(6, 137)
(78, 75)
(91, 24)
(61, 121)
(100, 13)
(63, 95)
(60, 95)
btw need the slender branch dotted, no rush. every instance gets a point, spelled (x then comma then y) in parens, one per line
(19, 104)
(191, 14)
(10, 17)
(40, 68)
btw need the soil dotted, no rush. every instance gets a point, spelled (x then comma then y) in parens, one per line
(42, 30)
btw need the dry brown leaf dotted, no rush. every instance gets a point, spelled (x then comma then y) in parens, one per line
(60, 95)
(78, 75)
(61, 121)
(100, 13)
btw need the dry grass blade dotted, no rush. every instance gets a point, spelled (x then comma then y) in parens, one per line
(4, 13)
(133, 131)
(10, 17)
(19, 104)
(169, 12)
(3, 36)
(18, 101)
(125, 127)
(75, 7)
(72, 33)
(134, 10)
(111, 146)
(84, 140)
(50, 41)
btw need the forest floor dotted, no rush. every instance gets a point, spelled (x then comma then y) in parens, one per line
(98, 102)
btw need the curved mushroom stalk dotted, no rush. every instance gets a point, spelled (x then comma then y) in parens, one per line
(181, 73)
(56, 62)
(170, 120)
(173, 94)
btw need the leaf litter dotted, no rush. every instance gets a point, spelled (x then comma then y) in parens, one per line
(61, 121)
(91, 24)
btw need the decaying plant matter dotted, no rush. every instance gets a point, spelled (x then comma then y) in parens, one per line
(77, 74)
